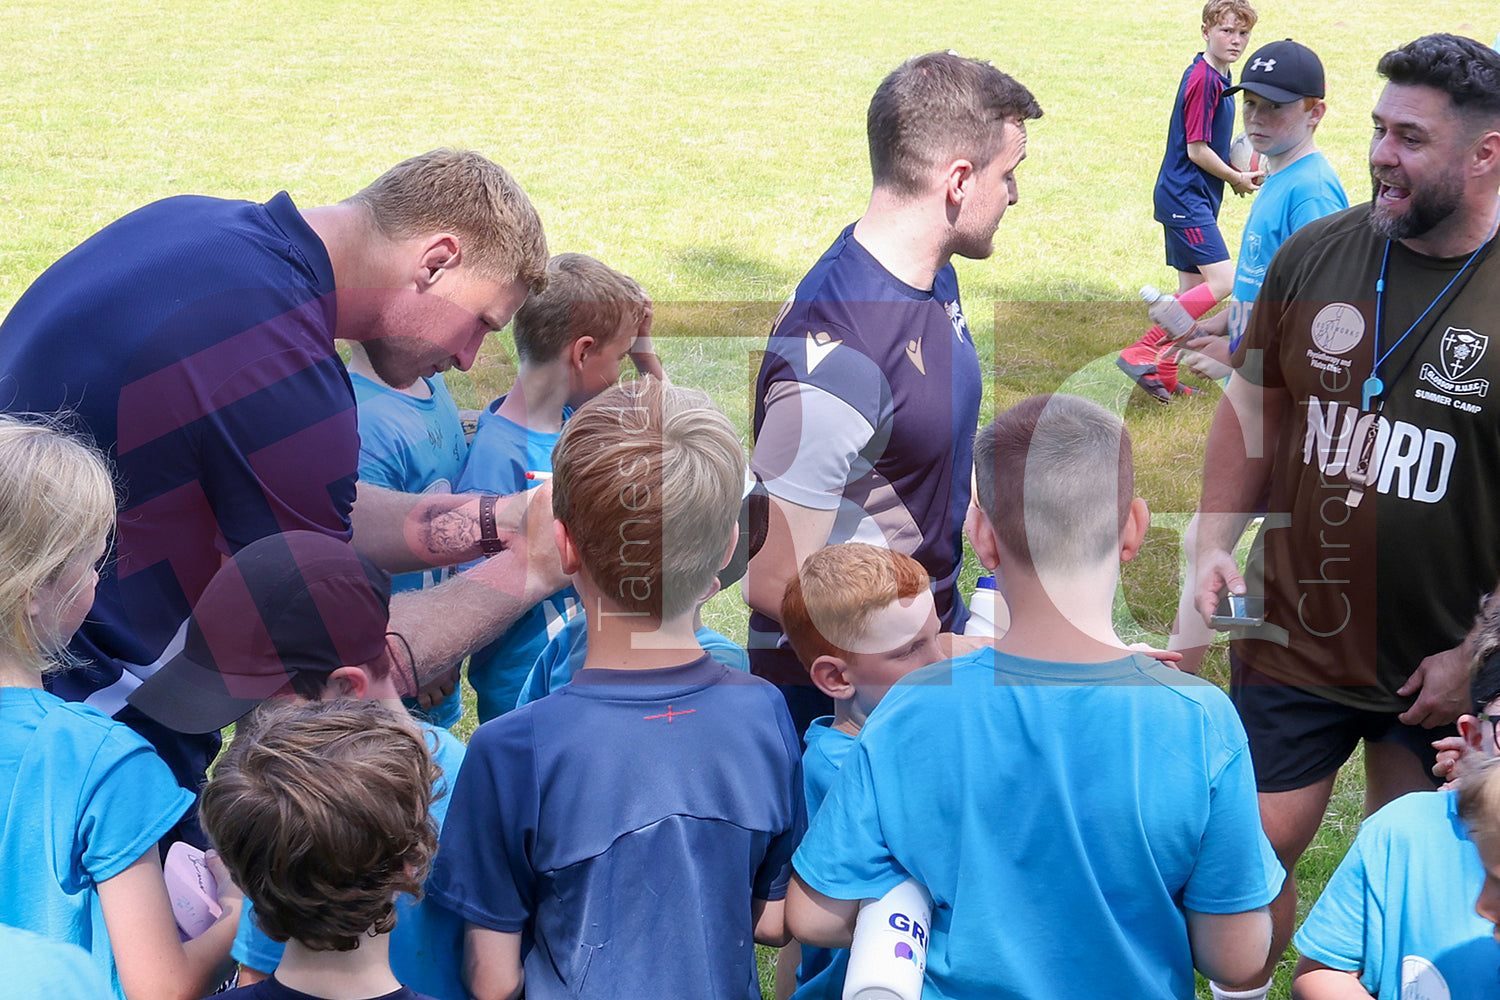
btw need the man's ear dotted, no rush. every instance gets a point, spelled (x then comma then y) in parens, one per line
(981, 535)
(957, 181)
(566, 550)
(831, 675)
(1134, 534)
(1487, 153)
(347, 682)
(439, 252)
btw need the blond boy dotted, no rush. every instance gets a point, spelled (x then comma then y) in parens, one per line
(1190, 187)
(637, 824)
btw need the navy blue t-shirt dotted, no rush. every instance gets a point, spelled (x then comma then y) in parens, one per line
(867, 403)
(193, 339)
(1186, 194)
(273, 989)
(623, 824)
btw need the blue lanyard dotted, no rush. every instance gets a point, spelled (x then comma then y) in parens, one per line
(1373, 385)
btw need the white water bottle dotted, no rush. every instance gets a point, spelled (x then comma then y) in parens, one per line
(889, 954)
(1169, 314)
(982, 612)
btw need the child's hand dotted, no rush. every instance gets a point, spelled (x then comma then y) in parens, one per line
(1449, 760)
(643, 351)
(1454, 753)
(1247, 182)
(230, 894)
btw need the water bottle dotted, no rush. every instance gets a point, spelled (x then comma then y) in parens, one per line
(889, 954)
(1169, 314)
(982, 611)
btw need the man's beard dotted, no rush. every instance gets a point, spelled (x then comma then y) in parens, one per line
(1425, 208)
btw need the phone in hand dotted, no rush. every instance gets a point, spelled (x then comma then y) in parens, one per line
(1239, 611)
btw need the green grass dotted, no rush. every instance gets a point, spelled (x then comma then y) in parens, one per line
(711, 150)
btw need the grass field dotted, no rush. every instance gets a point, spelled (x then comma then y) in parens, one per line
(710, 150)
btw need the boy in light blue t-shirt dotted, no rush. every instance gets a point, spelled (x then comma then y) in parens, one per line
(411, 440)
(1396, 919)
(570, 342)
(1283, 90)
(859, 617)
(1085, 818)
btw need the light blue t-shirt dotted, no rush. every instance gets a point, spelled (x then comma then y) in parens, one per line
(409, 445)
(1305, 190)
(83, 798)
(820, 975)
(413, 446)
(1401, 904)
(427, 941)
(502, 453)
(1062, 817)
(35, 968)
(565, 652)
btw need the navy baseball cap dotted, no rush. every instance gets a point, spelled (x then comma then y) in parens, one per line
(1282, 72)
(288, 605)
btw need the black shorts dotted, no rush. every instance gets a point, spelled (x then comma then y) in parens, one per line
(1298, 738)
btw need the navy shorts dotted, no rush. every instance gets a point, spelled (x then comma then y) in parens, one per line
(1189, 249)
(1298, 738)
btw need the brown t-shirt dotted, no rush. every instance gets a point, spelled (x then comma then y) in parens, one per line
(1364, 593)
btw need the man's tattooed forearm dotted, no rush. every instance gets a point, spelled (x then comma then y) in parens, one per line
(451, 532)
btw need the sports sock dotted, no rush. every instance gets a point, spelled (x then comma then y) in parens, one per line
(1259, 993)
(1166, 370)
(1197, 300)
(1145, 351)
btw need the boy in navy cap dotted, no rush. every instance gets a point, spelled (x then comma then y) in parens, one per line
(302, 616)
(1283, 93)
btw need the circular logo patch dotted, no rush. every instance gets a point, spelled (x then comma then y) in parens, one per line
(1337, 328)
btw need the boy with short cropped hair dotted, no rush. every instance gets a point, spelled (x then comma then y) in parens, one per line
(570, 341)
(860, 618)
(636, 826)
(1190, 186)
(1101, 836)
(320, 811)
